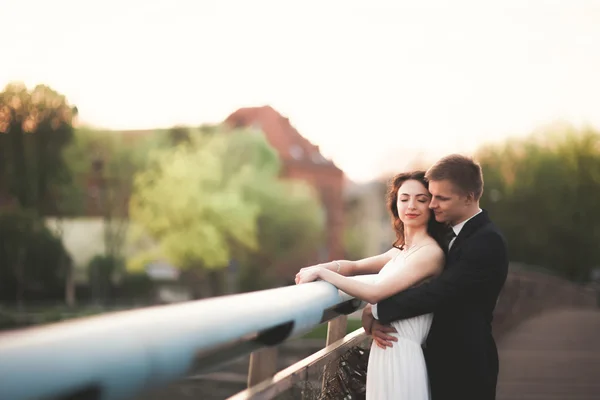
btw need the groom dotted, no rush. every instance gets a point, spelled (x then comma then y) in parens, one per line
(460, 352)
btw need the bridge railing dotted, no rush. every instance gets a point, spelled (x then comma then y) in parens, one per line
(122, 354)
(318, 368)
(526, 293)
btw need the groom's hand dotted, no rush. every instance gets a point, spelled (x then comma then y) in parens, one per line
(380, 334)
(377, 330)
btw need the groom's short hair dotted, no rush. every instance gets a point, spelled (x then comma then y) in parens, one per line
(462, 171)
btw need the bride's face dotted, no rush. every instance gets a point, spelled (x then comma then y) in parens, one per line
(413, 203)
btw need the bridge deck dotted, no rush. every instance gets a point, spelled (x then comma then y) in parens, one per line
(554, 356)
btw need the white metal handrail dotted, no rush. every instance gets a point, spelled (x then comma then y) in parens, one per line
(118, 355)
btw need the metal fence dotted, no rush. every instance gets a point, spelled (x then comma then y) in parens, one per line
(119, 355)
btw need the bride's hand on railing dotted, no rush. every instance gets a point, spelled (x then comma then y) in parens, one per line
(308, 274)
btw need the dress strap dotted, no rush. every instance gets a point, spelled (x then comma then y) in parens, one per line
(415, 249)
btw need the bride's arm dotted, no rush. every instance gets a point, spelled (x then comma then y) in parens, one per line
(418, 267)
(365, 266)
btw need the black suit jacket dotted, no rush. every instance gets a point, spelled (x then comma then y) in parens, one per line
(460, 351)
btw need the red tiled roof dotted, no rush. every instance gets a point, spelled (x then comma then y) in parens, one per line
(279, 131)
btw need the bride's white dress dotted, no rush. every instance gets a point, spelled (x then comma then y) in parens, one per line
(399, 372)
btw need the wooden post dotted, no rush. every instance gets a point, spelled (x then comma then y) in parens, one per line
(336, 330)
(263, 365)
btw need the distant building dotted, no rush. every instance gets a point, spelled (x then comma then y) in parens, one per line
(301, 160)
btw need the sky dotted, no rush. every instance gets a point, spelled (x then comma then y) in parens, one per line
(373, 83)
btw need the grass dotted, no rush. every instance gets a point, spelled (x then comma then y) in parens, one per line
(12, 318)
(320, 332)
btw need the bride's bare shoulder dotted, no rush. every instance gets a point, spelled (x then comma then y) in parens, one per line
(433, 246)
(431, 250)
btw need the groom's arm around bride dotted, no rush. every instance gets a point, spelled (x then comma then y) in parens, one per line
(460, 351)
(480, 269)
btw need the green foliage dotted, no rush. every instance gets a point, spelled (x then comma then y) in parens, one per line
(320, 332)
(33, 262)
(219, 197)
(103, 164)
(290, 230)
(137, 287)
(11, 318)
(101, 270)
(179, 135)
(290, 220)
(354, 246)
(542, 192)
(113, 160)
(196, 211)
(36, 126)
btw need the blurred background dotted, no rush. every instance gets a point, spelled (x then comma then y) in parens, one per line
(158, 152)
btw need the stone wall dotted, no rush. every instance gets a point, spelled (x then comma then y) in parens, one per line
(528, 293)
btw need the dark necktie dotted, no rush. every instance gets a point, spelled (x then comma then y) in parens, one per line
(448, 238)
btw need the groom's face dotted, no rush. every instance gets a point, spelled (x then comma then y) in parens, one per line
(447, 204)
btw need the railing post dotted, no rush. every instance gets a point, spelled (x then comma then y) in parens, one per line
(336, 330)
(263, 365)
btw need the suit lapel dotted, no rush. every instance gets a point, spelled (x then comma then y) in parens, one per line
(470, 227)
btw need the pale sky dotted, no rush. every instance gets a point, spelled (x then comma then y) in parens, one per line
(373, 83)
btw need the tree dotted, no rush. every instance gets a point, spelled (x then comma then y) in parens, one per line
(219, 198)
(195, 212)
(35, 127)
(541, 191)
(290, 230)
(102, 165)
(33, 261)
(179, 135)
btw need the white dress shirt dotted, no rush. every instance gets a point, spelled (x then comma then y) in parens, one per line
(456, 228)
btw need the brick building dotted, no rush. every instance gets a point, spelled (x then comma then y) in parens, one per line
(302, 160)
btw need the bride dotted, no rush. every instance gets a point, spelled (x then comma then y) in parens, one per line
(398, 372)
